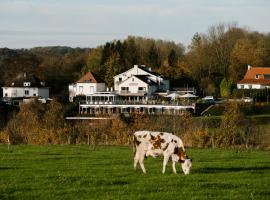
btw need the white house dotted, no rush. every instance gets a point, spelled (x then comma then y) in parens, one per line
(86, 85)
(255, 78)
(26, 86)
(140, 81)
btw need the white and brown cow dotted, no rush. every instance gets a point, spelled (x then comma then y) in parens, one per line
(153, 144)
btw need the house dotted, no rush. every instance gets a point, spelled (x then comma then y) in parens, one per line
(86, 85)
(255, 78)
(140, 82)
(25, 86)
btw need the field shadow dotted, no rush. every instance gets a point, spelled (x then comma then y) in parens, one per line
(213, 170)
(8, 168)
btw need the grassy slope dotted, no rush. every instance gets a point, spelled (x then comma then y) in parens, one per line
(79, 172)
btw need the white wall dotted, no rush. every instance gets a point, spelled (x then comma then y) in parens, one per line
(85, 89)
(138, 71)
(133, 84)
(133, 71)
(20, 92)
(253, 86)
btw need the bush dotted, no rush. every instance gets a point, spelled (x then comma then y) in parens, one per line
(44, 124)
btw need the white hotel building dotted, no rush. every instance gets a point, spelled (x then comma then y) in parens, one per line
(135, 90)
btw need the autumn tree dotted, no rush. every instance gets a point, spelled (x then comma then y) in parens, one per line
(231, 132)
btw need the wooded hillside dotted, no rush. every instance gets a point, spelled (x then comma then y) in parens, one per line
(224, 51)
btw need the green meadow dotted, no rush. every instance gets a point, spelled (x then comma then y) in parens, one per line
(106, 172)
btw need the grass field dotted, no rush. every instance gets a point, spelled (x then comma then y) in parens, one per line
(80, 172)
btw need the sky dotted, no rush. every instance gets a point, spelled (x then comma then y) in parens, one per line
(90, 23)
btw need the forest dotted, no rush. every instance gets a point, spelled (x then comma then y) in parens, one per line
(223, 51)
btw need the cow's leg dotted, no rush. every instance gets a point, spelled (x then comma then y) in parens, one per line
(135, 163)
(139, 157)
(173, 167)
(165, 161)
(141, 162)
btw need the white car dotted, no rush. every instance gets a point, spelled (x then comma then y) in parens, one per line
(209, 99)
(248, 99)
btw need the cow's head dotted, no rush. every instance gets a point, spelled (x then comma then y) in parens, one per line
(182, 157)
(186, 166)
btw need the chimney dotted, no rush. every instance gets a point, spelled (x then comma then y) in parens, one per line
(249, 67)
(136, 69)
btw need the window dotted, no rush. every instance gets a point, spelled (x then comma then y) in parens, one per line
(124, 89)
(242, 86)
(91, 89)
(26, 92)
(80, 89)
(132, 79)
(120, 79)
(267, 76)
(26, 83)
(34, 94)
(250, 86)
(141, 89)
(6, 94)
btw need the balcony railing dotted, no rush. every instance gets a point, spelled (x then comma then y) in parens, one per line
(143, 102)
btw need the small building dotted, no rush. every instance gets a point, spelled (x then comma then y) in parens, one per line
(86, 85)
(25, 86)
(255, 78)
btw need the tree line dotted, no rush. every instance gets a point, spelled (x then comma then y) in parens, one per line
(222, 52)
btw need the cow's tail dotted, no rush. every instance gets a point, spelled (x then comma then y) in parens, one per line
(135, 144)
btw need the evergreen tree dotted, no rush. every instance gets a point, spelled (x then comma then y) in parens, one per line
(225, 88)
(154, 60)
(172, 59)
(112, 66)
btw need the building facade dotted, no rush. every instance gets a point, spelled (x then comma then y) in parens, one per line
(26, 86)
(86, 85)
(255, 78)
(140, 82)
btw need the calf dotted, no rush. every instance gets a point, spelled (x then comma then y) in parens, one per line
(153, 144)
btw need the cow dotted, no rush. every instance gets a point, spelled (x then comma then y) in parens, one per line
(147, 143)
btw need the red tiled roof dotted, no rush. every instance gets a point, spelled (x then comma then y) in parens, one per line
(89, 78)
(251, 73)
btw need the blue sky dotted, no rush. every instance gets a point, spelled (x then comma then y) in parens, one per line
(89, 23)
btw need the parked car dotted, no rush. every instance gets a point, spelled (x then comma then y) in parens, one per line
(209, 99)
(248, 99)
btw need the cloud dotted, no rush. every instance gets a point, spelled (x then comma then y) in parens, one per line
(106, 19)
